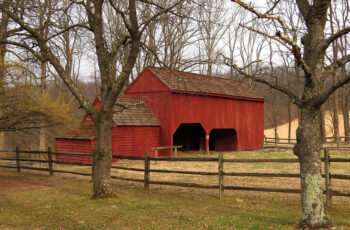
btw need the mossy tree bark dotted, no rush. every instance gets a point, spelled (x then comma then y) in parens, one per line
(308, 149)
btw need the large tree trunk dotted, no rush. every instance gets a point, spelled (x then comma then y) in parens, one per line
(102, 158)
(3, 30)
(308, 149)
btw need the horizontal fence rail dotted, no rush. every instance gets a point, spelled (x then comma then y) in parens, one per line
(340, 142)
(147, 170)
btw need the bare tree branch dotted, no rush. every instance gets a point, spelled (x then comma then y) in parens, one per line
(81, 25)
(304, 7)
(335, 36)
(327, 92)
(163, 10)
(261, 15)
(24, 46)
(294, 98)
(335, 65)
(123, 14)
(273, 7)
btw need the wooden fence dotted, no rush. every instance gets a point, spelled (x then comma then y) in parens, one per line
(337, 142)
(147, 170)
(156, 149)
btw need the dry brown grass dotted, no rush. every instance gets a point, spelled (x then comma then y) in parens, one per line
(281, 183)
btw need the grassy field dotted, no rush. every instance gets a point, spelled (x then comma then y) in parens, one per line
(64, 202)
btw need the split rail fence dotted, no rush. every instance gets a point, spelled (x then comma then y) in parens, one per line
(147, 170)
(337, 142)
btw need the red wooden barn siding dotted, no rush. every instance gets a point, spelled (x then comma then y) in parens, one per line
(74, 146)
(156, 95)
(126, 140)
(135, 140)
(246, 116)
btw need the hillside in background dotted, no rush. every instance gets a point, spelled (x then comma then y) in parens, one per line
(282, 129)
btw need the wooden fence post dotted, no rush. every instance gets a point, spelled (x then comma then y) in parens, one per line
(275, 143)
(147, 167)
(221, 176)
(338, 140)
(175, 152)
(18, 162)
(328, 182)
(49, 154)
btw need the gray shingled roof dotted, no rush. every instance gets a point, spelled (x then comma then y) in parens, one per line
(85, 132)
(191, 82)
(136, 115)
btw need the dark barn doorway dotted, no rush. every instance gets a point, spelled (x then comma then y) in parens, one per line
(223, 140)
(190, 137)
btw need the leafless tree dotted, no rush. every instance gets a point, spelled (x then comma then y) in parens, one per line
(310, 56)
(212, 27)
(111, 52)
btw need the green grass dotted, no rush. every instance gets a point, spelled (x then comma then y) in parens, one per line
(64, 203)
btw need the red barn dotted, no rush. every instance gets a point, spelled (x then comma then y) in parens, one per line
(201, 112)
(196, 111)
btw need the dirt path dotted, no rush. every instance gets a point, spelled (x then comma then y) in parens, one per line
(9, 184)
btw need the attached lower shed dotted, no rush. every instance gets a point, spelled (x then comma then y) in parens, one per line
(135, 131)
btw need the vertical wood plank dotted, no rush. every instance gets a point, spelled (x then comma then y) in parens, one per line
(328, 182)
(49, 153)
(147, 167)
(175, 151)
(18, 162)
(221, 176)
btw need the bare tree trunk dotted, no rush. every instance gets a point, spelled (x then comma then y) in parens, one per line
(102, 158)
(322, 123)
(345, 109)
(335, 96)
(335, 108)
(2, 141)
(42, 137)
(289, 121)
(345, 98)
(3, 31)
(308, 150)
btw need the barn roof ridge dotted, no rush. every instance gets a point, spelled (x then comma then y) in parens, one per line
(200, 83)
(192, 73)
